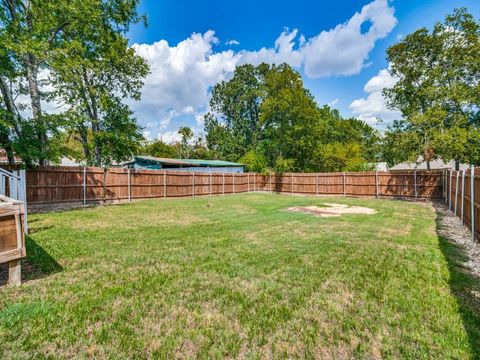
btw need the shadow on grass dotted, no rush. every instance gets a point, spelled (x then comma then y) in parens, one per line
(38, 263)
(464, 285)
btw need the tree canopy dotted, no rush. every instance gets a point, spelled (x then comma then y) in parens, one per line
(266, 118)
(74, 54)
(438, 91)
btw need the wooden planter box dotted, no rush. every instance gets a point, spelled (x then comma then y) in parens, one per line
(12, 237)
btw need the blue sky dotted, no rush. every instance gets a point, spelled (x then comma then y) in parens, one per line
(338, 47)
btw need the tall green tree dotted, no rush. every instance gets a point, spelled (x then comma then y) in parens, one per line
(438, 86)
(31, 33)
(187, 135)
(158, 148)
(265, 117)
(93, 76)
(236, 128)
(78, 48)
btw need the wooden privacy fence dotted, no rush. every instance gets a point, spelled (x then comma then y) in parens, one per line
(88, 185)
(462, 194)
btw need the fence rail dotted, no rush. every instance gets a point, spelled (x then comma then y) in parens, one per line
(57, 185)
(462, 195)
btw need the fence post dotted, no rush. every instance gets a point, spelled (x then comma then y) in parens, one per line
(456, 192)
(472, 198)
(463, 195)
(193, 184)
(248, 182)
(254, 182)
(344, 185)
(105, 171)
(270, 182)
(23, 179)
(415, 182)
(223, 183)
(291, 183)
(210, 184)
(84, 185)
(450, 192)
(376, 184)
(316, 184)
(233, 180)
(164, 184)
(445, 185)
(129, 187)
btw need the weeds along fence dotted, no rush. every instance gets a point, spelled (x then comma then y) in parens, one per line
(462, 195)
(50, 187)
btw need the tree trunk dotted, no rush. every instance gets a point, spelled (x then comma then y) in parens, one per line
(457, 165)
(33, 89)
(428, 165)
(93, 112)
(9, 104)
(82, 130)
(31, 65)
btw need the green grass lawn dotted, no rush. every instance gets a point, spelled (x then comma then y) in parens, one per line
(237, 276)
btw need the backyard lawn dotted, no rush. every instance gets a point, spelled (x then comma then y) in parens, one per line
(238, 276)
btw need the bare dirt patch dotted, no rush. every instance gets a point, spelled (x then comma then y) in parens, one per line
(332, 210)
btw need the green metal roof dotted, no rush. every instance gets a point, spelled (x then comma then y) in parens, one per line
(189, 162)
(201, 162)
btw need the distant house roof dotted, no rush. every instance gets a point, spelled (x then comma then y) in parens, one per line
(4, 158)
(213, 163)
(437, 164)
(187, 162)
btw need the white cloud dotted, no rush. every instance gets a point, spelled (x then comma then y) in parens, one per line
(169, 137)
(333, 103)
(232, 42)
(374, 107)
(344, 50)
(188, 110)
(380, 81)
(199, 118)
(182, 75)
(283, 52)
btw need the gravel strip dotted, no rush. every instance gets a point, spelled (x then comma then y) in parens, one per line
(451, 228)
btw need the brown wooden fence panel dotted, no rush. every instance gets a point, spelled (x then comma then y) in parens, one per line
(477, 204)
(116, 184)
(146, 184)
(56, 185)
(330, 184)
(202, 183)
(217, 183)
(458, 197)
(53, 185)
(180, 184)
(360, 184)
(93, 184)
